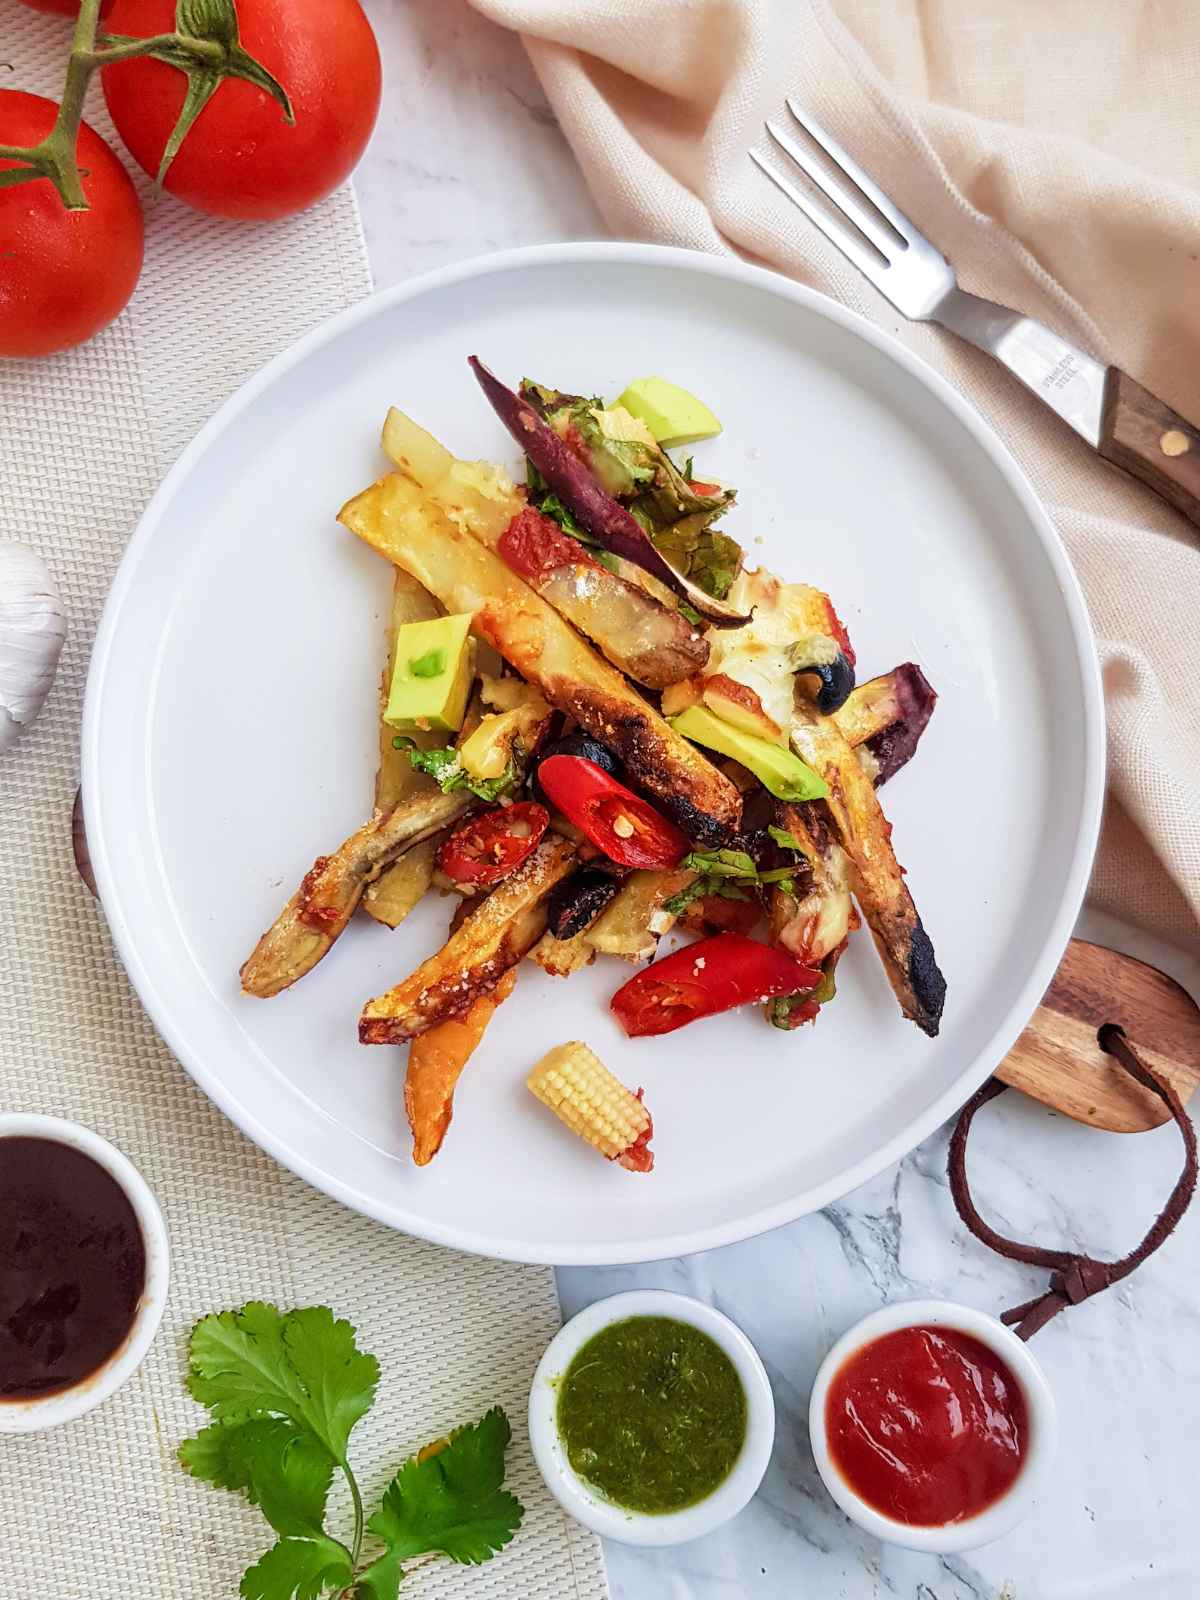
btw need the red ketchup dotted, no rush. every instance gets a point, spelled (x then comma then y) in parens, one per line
(927, 1425)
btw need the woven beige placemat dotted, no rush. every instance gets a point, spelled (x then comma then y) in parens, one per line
(99, 1508)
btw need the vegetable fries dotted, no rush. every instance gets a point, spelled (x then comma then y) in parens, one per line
(435, 1063)
(560, 627)
(493, 937)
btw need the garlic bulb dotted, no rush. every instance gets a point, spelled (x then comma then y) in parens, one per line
(33, 625)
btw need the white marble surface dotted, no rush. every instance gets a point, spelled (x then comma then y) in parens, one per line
(467, 158)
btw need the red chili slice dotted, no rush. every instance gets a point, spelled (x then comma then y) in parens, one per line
(489, 846)
(533, 546)
(706, 978)
(627, 828)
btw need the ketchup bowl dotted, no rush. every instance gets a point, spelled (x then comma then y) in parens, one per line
(932, 1426)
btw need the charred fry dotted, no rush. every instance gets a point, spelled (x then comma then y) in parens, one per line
(879, 886)
(493, 937)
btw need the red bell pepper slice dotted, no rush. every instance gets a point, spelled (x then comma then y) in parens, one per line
(620, 823)
(489, 846)
(706, 978)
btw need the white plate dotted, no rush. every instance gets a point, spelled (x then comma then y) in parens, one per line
(229, 737)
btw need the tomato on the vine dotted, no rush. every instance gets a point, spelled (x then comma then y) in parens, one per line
(63, 274)
(241, 158)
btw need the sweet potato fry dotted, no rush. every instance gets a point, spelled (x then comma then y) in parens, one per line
(493, 937)
(435, 1063)
(887, 717)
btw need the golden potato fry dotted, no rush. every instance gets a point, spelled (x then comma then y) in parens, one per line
(397, 891)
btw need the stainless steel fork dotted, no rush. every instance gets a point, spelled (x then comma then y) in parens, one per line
(1123, 421)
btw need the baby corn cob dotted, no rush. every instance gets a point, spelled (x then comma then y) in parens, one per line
(583, 1094)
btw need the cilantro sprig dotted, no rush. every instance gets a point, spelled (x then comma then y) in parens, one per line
(285, 1390)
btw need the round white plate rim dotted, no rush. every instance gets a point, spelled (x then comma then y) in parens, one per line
(1022, 1007)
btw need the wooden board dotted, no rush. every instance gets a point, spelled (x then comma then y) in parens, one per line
(1058, 1061)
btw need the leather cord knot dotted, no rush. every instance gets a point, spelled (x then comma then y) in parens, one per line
(1082, 1278)
(1074, 1277)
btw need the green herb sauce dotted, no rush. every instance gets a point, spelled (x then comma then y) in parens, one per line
(652, 1414)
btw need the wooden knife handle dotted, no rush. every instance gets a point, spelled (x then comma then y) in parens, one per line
(1141, 434)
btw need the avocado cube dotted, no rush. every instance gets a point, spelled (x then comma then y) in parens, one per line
(779, 771)
(673, 415)
(432, 676)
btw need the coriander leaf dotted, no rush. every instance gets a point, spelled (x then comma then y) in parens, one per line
(689, 468)
(786, 840)
(338, 1377)
(303, 1366)
(299, 1569)
(239, 1368)
(453, 1501)
(381, 1580)
(279, 1467)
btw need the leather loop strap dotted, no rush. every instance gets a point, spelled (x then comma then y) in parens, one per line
(1074, 1278)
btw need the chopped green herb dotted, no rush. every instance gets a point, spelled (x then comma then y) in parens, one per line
(703, 554)
(723, 866)
(699, 889)
(431, 665)
(693, 616)
(285, 1391)
(721, 863)
(444, 768)
(689, 469)
(785, 840)
(780, 1011)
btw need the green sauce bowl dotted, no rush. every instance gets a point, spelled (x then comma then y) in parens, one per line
(727, 1480)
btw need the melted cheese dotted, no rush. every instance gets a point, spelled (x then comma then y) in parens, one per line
(787, 631)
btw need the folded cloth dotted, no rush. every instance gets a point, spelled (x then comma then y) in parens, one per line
(1050, 151)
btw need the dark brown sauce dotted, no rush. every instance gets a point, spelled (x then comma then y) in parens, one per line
(72, 1267)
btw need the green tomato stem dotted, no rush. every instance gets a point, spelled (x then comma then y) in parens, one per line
(206, 61)
(130, 49)
(54, 157)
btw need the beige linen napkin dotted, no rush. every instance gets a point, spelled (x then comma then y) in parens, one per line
(1050, 149)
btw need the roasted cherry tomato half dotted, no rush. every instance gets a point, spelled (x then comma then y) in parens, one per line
(535, 546)
(489, 846)
(705, 978)
(620, 823)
